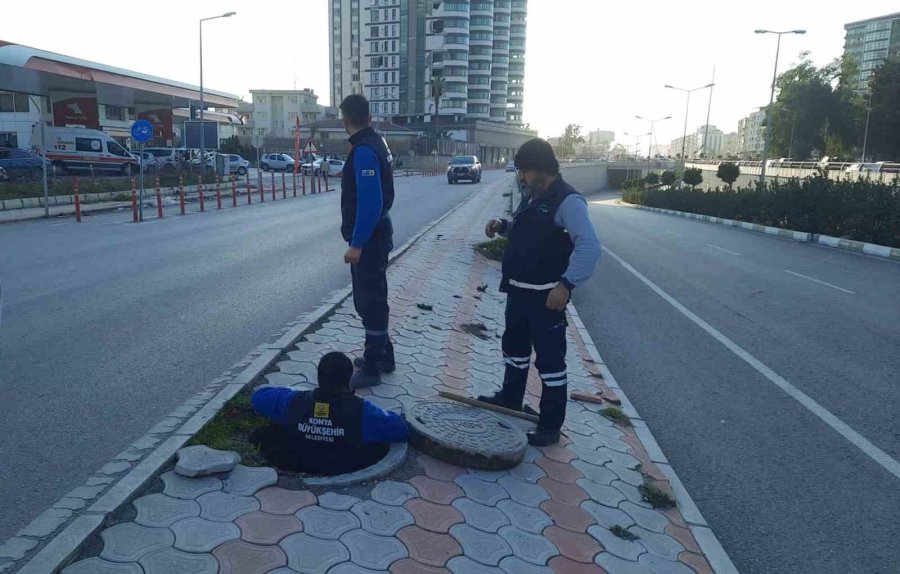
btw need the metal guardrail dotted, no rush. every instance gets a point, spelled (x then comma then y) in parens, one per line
(886, 167)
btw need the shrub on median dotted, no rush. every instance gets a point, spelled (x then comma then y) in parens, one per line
(860, 210)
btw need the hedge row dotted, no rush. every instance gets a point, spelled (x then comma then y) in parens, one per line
(858, 210)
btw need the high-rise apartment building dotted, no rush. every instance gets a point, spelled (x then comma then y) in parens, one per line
(401, 53)
(752, 133)
(869, 43)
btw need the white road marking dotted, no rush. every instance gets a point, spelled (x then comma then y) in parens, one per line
(723, 249)
(672, 233)
(842, 428)
(820, 282)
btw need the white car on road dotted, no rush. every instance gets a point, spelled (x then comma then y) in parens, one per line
(276, 162)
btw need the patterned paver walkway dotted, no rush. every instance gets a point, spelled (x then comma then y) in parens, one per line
(554, 513)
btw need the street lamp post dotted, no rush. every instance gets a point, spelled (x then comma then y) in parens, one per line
(687, 107)
(866, 136)
(762, 171)
(652, 127)
(637, 143)
(202, 96)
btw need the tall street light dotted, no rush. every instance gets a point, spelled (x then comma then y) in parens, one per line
(762, 171)
(202, 102)
(637, 143)
(652, 122)
(687, 107)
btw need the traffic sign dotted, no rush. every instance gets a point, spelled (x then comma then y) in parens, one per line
(310, 147)
(142, 131)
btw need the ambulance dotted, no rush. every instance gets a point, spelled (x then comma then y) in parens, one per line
(79, 150)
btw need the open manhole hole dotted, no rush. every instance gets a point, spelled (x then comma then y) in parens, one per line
(465, 436)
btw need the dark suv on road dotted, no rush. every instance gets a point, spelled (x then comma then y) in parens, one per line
(20, 164)
(464, 167)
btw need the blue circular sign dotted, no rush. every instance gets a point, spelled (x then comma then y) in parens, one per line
(141, 131)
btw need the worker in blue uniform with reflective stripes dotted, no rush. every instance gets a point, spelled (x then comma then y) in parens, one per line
(552, 249)
(367, 194)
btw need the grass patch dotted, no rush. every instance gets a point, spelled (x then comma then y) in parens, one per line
(425, 307)
(616, 415)
(476, 330)
(493, 249)
(482, 288)
(623, 533)
(231, 429)
(655, 497)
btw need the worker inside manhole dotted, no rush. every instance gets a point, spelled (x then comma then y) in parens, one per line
(326, 431)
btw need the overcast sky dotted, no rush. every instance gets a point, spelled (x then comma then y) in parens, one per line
(591, 62)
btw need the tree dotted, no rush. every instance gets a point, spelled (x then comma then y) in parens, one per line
(884, 120)
(693, 176)
(668, 177)
(569, 141)
(728, 172)
(652, 178)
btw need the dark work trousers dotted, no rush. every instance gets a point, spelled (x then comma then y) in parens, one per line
(529, 324)
(370, 297)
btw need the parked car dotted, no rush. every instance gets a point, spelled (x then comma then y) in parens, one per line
(82, 149)
(335, 167)
(167, 159)
(20, 164)
(237, 164)
(308, 164)
(464, 167)
(150, 164)
(511, 166)
(276, 162)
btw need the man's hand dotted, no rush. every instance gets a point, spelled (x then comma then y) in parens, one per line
(492, 228)
(558, 298)
(352, 256)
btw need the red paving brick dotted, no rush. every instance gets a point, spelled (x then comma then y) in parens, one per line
(563, 472)
(558, 453)
(264, 528)
(429, 548)
(562, 565)
(455, 373)
(436, 491)
(276, 500)
(453, 382)
(240, 557)
(675, 516)
(438, 469)
(698, 563)
(684, 536)
(572, 545)
(433, 517)
(409, 566)
(569, 517)
(562, 492)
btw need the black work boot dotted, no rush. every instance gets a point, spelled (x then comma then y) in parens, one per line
(362, 379)
(542, 437)
(385, 367)
(500, 400)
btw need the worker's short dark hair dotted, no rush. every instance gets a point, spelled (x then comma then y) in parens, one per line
(537, 155)
(355, 108)
(335, 370)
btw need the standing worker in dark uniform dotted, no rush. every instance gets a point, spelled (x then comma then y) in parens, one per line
(552, 249)
(367, 194)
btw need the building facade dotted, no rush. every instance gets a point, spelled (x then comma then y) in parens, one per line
(731, 145)
(751, 134)
(600, 137)
(403, 53)
(869, 43)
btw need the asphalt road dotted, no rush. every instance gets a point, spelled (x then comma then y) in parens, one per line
(784, 491)
(107, 326)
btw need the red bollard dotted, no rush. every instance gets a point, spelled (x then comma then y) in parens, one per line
(294, 180)
(262, 189)
(200, 189)
(181, 193)
(218, 193)
(303, 182)
(159, 209)
(273, 186)
(134, 202)
(283, 186)
(249, 195)
(233, 191)
(77, 202)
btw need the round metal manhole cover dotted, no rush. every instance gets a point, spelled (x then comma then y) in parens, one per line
(466, 436)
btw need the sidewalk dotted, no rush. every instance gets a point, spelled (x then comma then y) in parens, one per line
(554, 513)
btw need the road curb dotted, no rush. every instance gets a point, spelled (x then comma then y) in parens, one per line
(861, 247)
(66, 544)
(705, 537)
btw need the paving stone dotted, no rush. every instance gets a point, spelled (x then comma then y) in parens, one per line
(70, 504)
(484, 518)
(351, 568)
(646, 517)
(334, 501)
(223, 507)
(514, 565)
(628, 476)
(482, 492)
(436, 491)
(598, 474)
(532, 548)
(527, 472)
(327, 524)
(532, 454)
(86, 492)
(200, 460)
(46, 523)
(381, 519)
(371, 551)
(487, 549)
(590, 455)
(169, 560)
(571, 518)
(178, 486)
(148, 441)
(465, 565)
(279, 379)
(410, 566)
(626, 549)
(387, 390)
(436, 518)
(562, 472)
(307, 369)
(128, 542)
(112, 468)
(385, 404)
(615, 565)
(606, 516)
(488, 475)
(661, 545)
(199, 535)
(161, 511)
(606, 495)
(267, 529)
(100, 480)
(311, 555)
(241, 557)
(576, 546)
(429, 548)
(99, 566)
(419, 391)
(527, 518)
(429, 360)
(425, 369)
(630, 492)
(276, 500)
(523, 492)
(660, 566)
(393, 493)
(246, 481)
(128, 455)
(16, 548)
